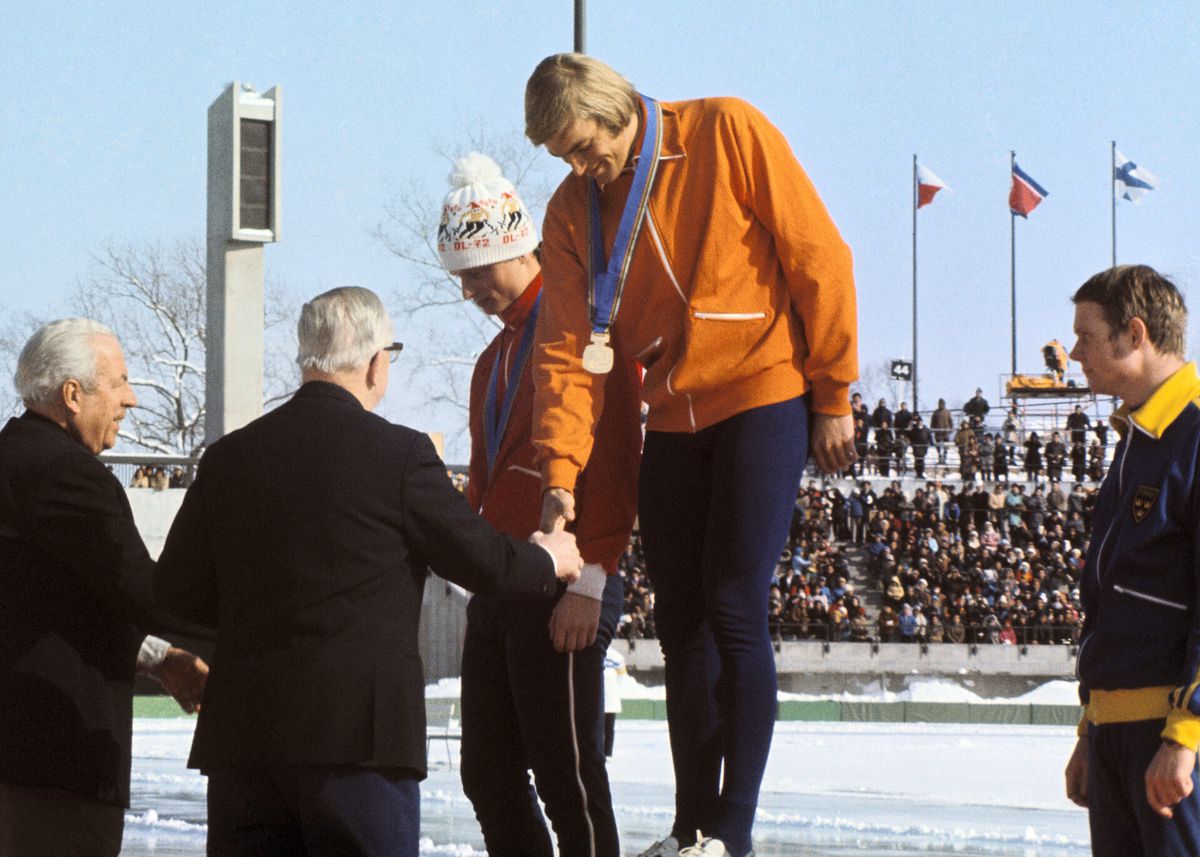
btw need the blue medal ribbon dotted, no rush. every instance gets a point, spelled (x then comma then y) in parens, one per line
(494, 425)
(606, 280)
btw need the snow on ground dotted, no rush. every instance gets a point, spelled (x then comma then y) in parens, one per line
(831, 789)
(1060, 692)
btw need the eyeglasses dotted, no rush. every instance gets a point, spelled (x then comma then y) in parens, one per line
(393, 351)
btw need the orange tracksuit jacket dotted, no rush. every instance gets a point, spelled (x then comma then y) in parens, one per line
(740, 293)
(510, 498)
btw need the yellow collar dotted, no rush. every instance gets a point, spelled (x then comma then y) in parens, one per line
(1164, 405)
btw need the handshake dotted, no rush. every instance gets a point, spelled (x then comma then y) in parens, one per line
(558, 508)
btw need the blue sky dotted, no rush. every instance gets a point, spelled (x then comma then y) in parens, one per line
(103, 130)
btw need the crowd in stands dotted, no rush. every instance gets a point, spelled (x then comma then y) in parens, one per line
(994, 557)
(156, 477)
(888, 441)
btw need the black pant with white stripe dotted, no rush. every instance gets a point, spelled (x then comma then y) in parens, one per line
(526, 707)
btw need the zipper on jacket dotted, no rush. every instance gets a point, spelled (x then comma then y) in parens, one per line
(1079, 655)
(728, 316)
(662, 255)
(1153, 599)
(653, 346)
(1113, 522)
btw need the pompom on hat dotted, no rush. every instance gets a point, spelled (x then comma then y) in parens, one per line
(483, 220)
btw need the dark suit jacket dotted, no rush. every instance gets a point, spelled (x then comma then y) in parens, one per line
(75, 603)
(305, 541)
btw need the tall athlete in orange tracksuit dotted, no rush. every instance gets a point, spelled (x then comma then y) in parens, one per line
(690, 237)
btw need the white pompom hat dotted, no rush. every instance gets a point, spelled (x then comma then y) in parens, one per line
(483, 218)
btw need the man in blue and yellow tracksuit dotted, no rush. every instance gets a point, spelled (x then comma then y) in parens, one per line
(1134, 766)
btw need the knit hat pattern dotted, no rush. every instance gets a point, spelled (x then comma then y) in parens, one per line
(483, 220)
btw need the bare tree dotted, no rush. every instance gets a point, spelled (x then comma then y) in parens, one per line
(876, 382)
(154, 298)
(15, 329)
(451, 332)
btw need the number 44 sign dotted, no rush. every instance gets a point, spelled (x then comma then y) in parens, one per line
(902, 370)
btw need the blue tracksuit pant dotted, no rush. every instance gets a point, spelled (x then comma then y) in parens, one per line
(526, 707)
(1122, 822)
(714, 509)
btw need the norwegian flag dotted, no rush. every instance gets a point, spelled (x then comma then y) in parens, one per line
(1026, 194)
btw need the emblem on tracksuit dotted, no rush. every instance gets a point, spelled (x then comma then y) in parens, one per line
(1143, 501)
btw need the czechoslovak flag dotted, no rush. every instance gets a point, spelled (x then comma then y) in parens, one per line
(1025, 194)
(1130, 181)
(927, 185)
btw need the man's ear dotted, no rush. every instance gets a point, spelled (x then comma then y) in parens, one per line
(72, 395)
(375, 369)
(1137, 330)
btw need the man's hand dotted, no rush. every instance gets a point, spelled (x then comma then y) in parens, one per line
(183, 675)
(1076, 774)
(574, 621)
(558, 509)
(1169, 777)
(561, 544)
(832, 442)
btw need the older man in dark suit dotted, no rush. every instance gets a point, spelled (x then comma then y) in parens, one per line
(305, 541)
(75, 602)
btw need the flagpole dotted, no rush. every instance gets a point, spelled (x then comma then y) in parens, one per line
(916, 365)
(1012, 245)
(1112, 198)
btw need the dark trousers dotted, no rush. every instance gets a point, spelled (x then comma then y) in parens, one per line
(293, 810)
(49, 822)
(1122, 822)
(714, 508)
(527, 707)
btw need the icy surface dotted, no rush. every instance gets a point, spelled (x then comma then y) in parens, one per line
(830, 789)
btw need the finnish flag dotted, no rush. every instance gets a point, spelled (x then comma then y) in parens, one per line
(1130, 181)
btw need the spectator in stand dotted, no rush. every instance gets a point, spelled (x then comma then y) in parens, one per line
(903, 418)
(987, 456)
(956, 632)
(178, 478)
(1056, 455)
(1078, 461)
(919, 437)
(977, 409)
(968, 451)
(907, 624)
(159, 480)
(942, 424)
(1033, 457)
(1035, 509)
(1014, 505)
(862, 427)
(857, 512)
(1096, 460)
(887, 624)
(900, 444)
(141, 479)
(1078, 425)
(1000, 462)
(884, 446)
(1012, 430)
(882, 414)
(996, 506)
(935, 632)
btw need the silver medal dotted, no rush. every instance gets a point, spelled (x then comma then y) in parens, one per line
(598, 355)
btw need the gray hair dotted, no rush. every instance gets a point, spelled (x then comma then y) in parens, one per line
(56, 353)
(341, 329)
